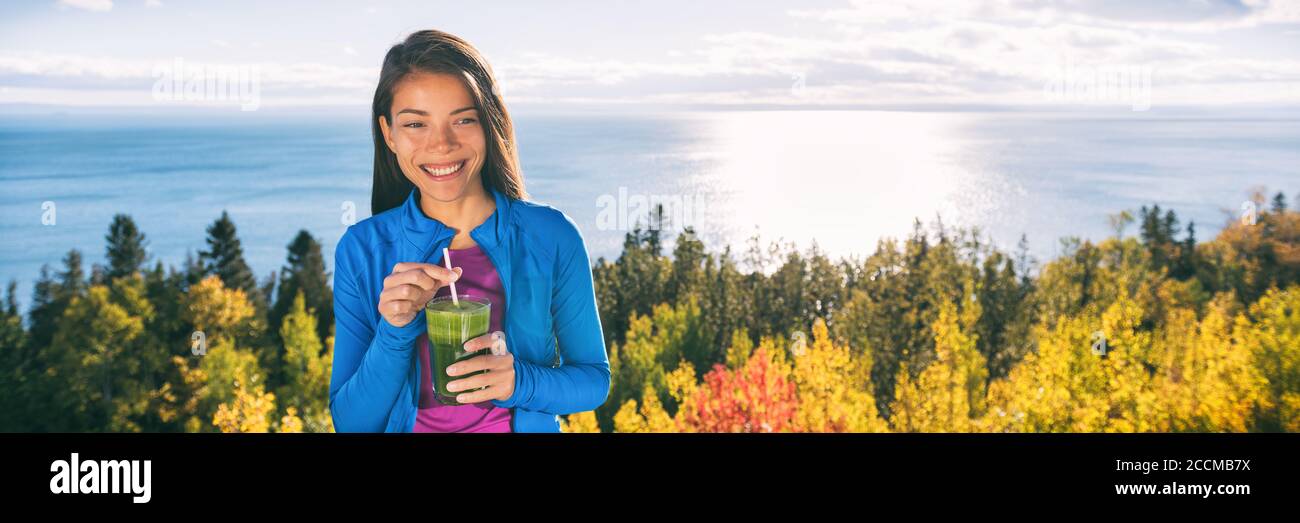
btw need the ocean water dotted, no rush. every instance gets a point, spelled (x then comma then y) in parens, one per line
(843, 179)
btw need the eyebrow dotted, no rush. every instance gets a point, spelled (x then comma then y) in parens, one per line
(426, 113)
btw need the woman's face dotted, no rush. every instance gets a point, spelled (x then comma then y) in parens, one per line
(436, 135)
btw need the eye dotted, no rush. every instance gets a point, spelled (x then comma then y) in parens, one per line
(414, 125)
(466, 121)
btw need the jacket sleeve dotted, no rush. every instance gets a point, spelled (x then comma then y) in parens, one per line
(371, 356)
(581, 382)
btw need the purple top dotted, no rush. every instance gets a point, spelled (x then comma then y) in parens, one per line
(478, 278)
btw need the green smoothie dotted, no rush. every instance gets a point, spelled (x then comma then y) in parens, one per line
(450, 326)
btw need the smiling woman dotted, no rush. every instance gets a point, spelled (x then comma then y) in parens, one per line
(448, 89)
(447, 188)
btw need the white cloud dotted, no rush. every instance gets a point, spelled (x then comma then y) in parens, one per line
(66, 71)
(924, 51)
(89, 5)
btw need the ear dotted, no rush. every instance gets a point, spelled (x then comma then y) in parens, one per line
(388, 134)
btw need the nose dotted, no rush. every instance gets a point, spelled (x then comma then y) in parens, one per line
(442, 140)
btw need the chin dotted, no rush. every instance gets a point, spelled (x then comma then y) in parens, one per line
(446, 191)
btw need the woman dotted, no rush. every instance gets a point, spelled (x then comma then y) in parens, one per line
(447, 176)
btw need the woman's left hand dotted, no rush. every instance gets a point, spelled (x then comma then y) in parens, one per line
(499, 379)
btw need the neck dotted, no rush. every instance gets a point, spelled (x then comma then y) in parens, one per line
(462, 214)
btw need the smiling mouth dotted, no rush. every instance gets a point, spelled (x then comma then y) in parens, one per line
(442, 171)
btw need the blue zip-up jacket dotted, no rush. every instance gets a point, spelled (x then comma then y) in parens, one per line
(546, 272)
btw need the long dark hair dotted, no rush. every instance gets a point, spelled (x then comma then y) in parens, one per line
(433, 51)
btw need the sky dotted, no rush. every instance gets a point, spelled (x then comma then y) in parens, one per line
(722, 53)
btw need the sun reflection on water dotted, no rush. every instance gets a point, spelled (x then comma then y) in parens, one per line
(843, 178)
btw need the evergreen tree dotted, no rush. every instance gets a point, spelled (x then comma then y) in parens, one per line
(14, 365)
(126, 247)
(225, 257)
(305, 272)
(51, 297)
(687, 266)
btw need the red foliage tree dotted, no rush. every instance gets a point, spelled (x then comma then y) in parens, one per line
(758, 397)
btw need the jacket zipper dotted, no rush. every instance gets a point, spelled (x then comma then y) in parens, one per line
(505, 314)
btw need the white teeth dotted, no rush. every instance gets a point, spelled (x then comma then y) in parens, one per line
(443, 171)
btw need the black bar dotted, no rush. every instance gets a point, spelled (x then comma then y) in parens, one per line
(190, 470)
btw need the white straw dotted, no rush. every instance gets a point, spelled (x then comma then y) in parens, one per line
(446, 260)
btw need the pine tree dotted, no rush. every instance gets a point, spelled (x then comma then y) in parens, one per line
(126, 247)
(305, 272)
(14, 366)
(52, 296)
(225, 258)
(1185, 267)
(687, 266)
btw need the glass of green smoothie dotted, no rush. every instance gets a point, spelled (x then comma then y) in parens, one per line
(451, 324)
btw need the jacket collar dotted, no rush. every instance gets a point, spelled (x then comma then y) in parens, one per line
(424, 233)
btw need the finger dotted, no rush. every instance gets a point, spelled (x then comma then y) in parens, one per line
(495, 340)
(413, 277)
(472, 382)
(410, 293)
(478, 396)
(397, 307)
(479, 343)
(434, 271)
(471, 365)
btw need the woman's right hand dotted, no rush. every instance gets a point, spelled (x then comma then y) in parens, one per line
(409, 287)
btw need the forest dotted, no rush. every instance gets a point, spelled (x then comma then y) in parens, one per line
(1147, 330)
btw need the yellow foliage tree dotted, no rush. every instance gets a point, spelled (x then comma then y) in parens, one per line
(580, 422)
(650, 417)
(1088, 375)
(681, 383)
(250, 411)
(653, 342)
(1208, 381)
(290, 422)
(222, 367)
(834, 388)
(741, 347)
(94, 342)
(944, 396)
(1274, 344)
(214, 309)
(306, 367)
